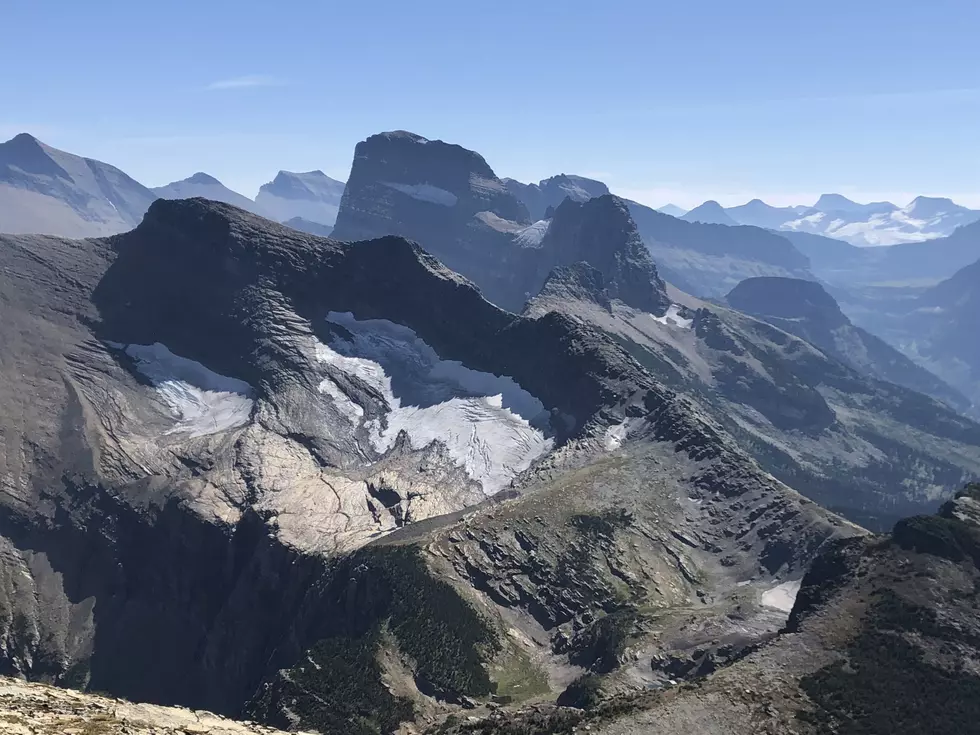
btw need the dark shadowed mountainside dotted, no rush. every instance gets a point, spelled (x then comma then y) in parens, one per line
(804, 308)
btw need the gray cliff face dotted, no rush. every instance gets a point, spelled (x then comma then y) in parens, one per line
(601, 232)
(441, 195)
(805, 309)
(199, 507)
(449, 200)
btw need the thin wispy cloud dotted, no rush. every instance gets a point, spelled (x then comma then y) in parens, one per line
(248, 81)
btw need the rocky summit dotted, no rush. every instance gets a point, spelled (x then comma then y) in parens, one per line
(449, 198)
(329, 486)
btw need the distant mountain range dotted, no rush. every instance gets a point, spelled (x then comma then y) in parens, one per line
(781, 398)
(208, 187)
(480, 455)
(672, 209)
(710, 213)
(703, 259)
(836, 216)
(843, 264)
(44, 190)
(877, 223)
(312, 196)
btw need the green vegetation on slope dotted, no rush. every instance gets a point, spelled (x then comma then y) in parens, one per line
(887, 687)
(338, 687)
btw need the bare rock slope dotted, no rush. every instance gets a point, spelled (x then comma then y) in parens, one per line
(36, 709)
(882, 639)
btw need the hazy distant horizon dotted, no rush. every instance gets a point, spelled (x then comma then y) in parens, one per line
(664, 103)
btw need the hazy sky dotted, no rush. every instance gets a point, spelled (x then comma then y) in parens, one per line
(665, 101)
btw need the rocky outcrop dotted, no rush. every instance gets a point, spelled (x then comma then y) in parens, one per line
(805, 309)
(448, 199)
(35, 709)
(579, 281)
(445, 197)
(601, 232)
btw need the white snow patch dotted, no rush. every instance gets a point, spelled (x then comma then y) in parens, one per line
(673, 318)
(490, 425)
(345, 405)
(425, 193)
(615, 436)
(531, 236)
(782, 596)
(203, 401)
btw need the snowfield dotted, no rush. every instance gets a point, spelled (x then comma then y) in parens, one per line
(673, 318)
(489, 425)
(531, 236)
(782, 596)
(202, 401)
(425, 193)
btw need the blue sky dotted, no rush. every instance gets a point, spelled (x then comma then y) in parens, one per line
(678, 101)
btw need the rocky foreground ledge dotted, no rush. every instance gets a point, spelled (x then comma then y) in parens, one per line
(37, 709)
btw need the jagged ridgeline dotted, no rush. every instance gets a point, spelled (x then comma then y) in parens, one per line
(222, 487)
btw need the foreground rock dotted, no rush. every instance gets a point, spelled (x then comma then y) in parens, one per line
(36, 709)
(883, 639)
